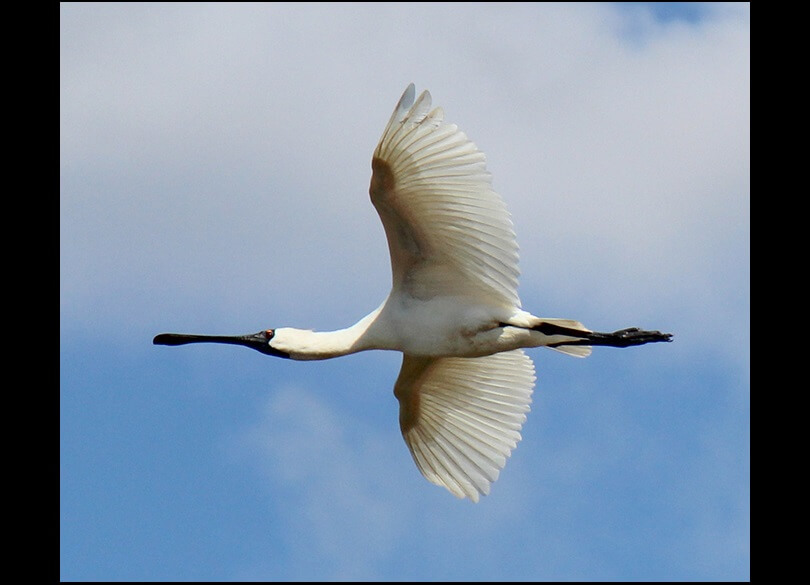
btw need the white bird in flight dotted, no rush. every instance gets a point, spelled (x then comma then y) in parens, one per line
(465, 384)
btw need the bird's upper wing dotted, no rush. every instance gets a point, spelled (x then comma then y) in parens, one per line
(461, 417)
(448, 232)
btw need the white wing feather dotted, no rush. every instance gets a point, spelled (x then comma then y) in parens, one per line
(461, 417)
(448, 232)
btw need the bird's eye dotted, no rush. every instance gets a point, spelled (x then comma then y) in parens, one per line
(269, 333)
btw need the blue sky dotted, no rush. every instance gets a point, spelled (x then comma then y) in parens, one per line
(214, 171)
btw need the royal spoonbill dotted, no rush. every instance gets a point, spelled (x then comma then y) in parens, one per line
(465, 384)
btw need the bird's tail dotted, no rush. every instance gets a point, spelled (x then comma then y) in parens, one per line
(572, 327)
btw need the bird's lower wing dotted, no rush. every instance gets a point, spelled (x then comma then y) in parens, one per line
(448, 231)
(461, 417)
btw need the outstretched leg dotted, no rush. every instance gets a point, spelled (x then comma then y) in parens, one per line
(621, 338)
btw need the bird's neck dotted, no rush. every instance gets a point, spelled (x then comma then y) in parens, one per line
(303, 344)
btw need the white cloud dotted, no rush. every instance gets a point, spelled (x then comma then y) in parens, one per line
(339, 476)
(189, 150)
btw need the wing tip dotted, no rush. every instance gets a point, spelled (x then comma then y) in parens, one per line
(406, 101)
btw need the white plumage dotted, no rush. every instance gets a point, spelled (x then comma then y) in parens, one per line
(461, 417)
(465, 384)
(448, 232)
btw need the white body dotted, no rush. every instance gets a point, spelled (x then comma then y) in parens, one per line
(437, 327)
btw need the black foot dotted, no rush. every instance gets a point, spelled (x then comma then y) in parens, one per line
(628, 337)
